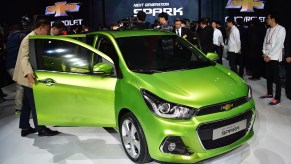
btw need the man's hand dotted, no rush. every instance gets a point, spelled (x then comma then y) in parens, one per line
(266, 58)
(288, 59)
(30, 78)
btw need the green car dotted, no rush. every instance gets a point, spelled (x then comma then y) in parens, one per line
(168, 100)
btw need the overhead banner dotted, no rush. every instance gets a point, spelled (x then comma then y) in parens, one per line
(246, 9)
(62, 8)
(128, 8)
(71, 12)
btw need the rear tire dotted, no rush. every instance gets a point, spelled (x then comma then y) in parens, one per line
(133, 139)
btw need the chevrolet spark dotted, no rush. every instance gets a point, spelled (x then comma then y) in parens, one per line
(168, 101)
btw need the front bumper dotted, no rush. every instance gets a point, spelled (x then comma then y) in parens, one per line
(194, 137)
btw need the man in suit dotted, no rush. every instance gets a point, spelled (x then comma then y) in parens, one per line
(181, 31)
(24, 75)
(254, 45)
(243, 40)
(206, 36)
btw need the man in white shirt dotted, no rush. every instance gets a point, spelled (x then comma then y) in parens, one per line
(272, 54)
(234, 44)
(217, 41)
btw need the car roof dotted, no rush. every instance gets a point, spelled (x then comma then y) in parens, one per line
(129, 33)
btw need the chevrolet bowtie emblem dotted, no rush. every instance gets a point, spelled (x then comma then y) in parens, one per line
(61, 8)
(245, 5)
(227, 106)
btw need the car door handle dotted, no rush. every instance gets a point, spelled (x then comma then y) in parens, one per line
(48, 81)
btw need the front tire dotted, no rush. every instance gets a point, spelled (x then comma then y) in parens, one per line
(133, 139)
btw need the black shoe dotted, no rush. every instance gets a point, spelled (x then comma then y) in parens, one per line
(25, 132)
(48, 132)
(274, 102)
(266, 96)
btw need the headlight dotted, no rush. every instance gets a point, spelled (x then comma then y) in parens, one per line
(250, 93)
(163, 108)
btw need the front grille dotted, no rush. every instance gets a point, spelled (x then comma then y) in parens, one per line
(205, 131)
(219, 107)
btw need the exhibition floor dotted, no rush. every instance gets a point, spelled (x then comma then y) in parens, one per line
(90, 145)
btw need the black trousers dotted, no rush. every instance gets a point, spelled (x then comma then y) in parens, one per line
(288, 80)
(27, 108)
(273, 76)
(234, 60)
(219, 51)
(256, 66)
(241, 63)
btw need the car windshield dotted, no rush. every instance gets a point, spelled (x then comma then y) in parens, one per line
(152, 54)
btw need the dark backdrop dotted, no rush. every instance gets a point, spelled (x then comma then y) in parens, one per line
(100, 11)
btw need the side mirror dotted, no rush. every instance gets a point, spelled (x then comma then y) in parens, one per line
(102, 68)
(212, 56)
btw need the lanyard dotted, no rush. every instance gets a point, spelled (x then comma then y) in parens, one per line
(231, 33)
(270, 35)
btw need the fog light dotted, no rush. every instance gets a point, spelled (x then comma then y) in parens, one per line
(171, 146)
(174, 145)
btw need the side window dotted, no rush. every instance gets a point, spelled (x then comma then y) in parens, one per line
(63, 56)
(90, 40)
(105, 45)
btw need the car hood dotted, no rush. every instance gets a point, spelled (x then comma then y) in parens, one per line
(196, 87)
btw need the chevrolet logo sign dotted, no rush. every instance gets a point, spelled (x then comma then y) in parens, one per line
(61, 8)
(227, 107)
(245, 5)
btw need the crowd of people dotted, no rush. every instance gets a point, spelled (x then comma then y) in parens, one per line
(252, 48)
(255, 48)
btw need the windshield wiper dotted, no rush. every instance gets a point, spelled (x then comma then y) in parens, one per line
(146, 71)
(187, 67)
(177, 68)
